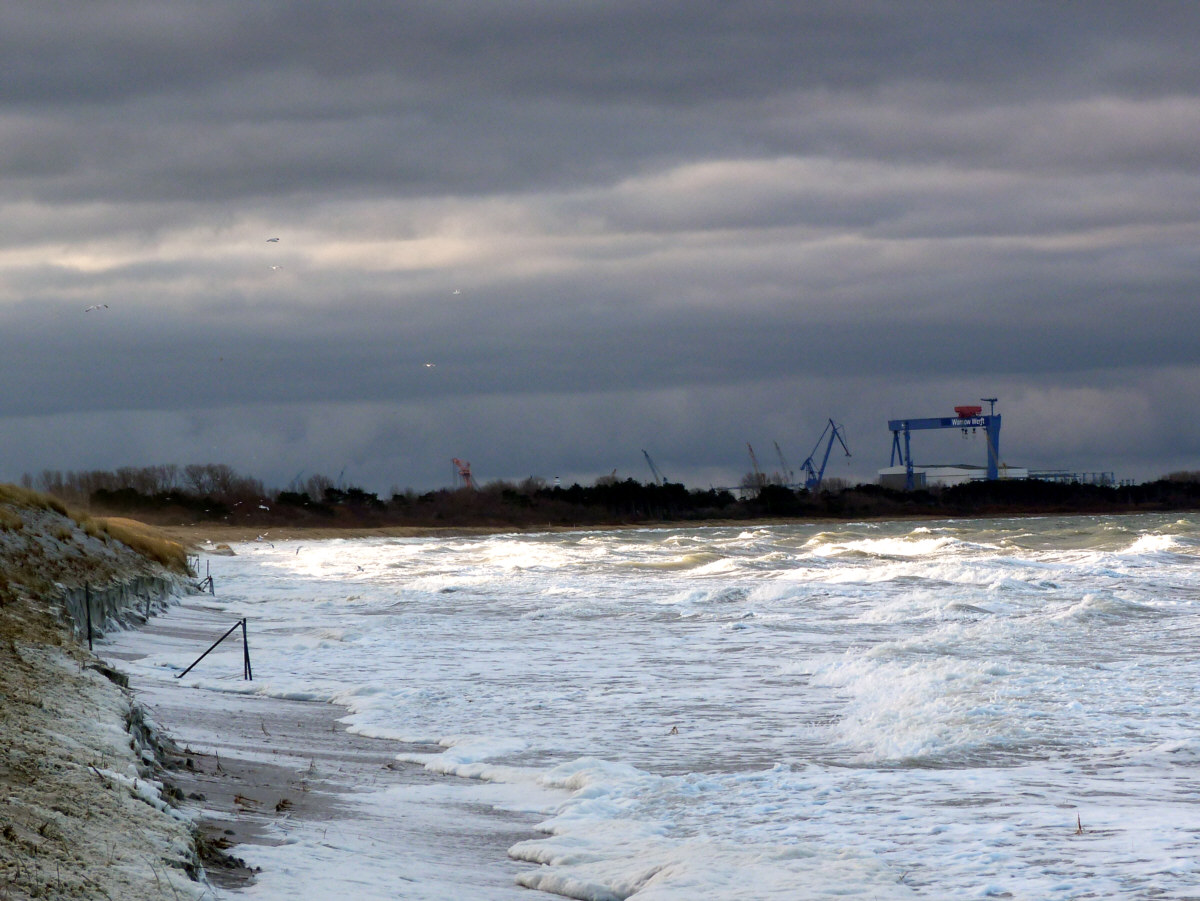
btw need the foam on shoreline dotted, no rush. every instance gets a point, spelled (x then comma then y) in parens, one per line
(265, 776)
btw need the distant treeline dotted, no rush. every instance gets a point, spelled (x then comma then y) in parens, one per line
(216, 493)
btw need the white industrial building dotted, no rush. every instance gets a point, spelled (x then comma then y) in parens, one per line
(942, 475)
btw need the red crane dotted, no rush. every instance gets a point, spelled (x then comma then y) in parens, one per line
(464, 473)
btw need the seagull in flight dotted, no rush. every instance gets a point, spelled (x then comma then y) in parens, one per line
(96, 306)
(272, 240)
(430, 365)
(456, 291)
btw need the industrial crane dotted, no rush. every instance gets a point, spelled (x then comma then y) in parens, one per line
(759, 478)
(812, 475)
(463, 471)
(659, 478)
(785, 473)
(967, 416)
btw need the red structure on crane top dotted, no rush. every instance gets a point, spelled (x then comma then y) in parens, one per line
(967, 412)
(464, 472)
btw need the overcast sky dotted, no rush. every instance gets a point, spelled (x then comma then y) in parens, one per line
(544, 235)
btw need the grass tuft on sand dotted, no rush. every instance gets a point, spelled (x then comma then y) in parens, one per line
(147, 541)
(27, 497)
(19, 504)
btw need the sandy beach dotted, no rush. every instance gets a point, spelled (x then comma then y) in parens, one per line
(257, 772)
(202, 535)
(206, 536)
(116, 785)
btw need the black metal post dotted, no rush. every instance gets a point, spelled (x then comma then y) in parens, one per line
(87, 602)
(246, 673)
(241, 623)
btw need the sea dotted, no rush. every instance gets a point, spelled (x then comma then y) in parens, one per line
(983, 708)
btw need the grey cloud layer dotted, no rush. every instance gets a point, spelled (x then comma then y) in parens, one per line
(228, 99)
(685, 205)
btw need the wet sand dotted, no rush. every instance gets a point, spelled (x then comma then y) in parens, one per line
(260, 771)
(205, 536)
(202, 535)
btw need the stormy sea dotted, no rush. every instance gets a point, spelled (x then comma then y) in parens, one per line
(878, 710)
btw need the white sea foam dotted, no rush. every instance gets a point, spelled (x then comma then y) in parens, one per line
(903, 546)
(869, 710)
(1152, 544)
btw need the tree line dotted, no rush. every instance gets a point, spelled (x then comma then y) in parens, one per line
(216, 493)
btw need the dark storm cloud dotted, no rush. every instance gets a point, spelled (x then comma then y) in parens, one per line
(600, 340)
(234, 99)
(722, 218)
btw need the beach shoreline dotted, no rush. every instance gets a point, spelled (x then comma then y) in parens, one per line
(202, 536)
(116, 780)
(257, 772)
(205, 536)
(275, 779)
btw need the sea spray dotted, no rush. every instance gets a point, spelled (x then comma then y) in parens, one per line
(875, 710)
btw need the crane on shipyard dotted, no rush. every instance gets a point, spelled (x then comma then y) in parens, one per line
(967, 416)
(786, 472)
(659, 478)
(463, 471)
(812, 475)
(759, 478)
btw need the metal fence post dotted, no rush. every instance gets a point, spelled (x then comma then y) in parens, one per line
(245, 651)
(246, 673)
(87, 603)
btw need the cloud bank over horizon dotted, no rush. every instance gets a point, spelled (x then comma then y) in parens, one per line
(544, 236)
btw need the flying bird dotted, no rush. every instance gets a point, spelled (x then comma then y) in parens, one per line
(272, 240)
(456, 291)
(430, 365)
(96, 306)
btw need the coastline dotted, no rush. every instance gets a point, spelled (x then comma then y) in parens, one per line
(261, 774)
(86, 810)
(119, 781)
(197, 536)
(608, 506)
(203, 537)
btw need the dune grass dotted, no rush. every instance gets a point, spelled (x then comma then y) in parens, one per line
(147, 541)
(27, 497)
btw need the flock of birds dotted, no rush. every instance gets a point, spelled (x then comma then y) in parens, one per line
(104, 306)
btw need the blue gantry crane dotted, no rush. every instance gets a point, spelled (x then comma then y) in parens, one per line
(812, 475)
(966, 417)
